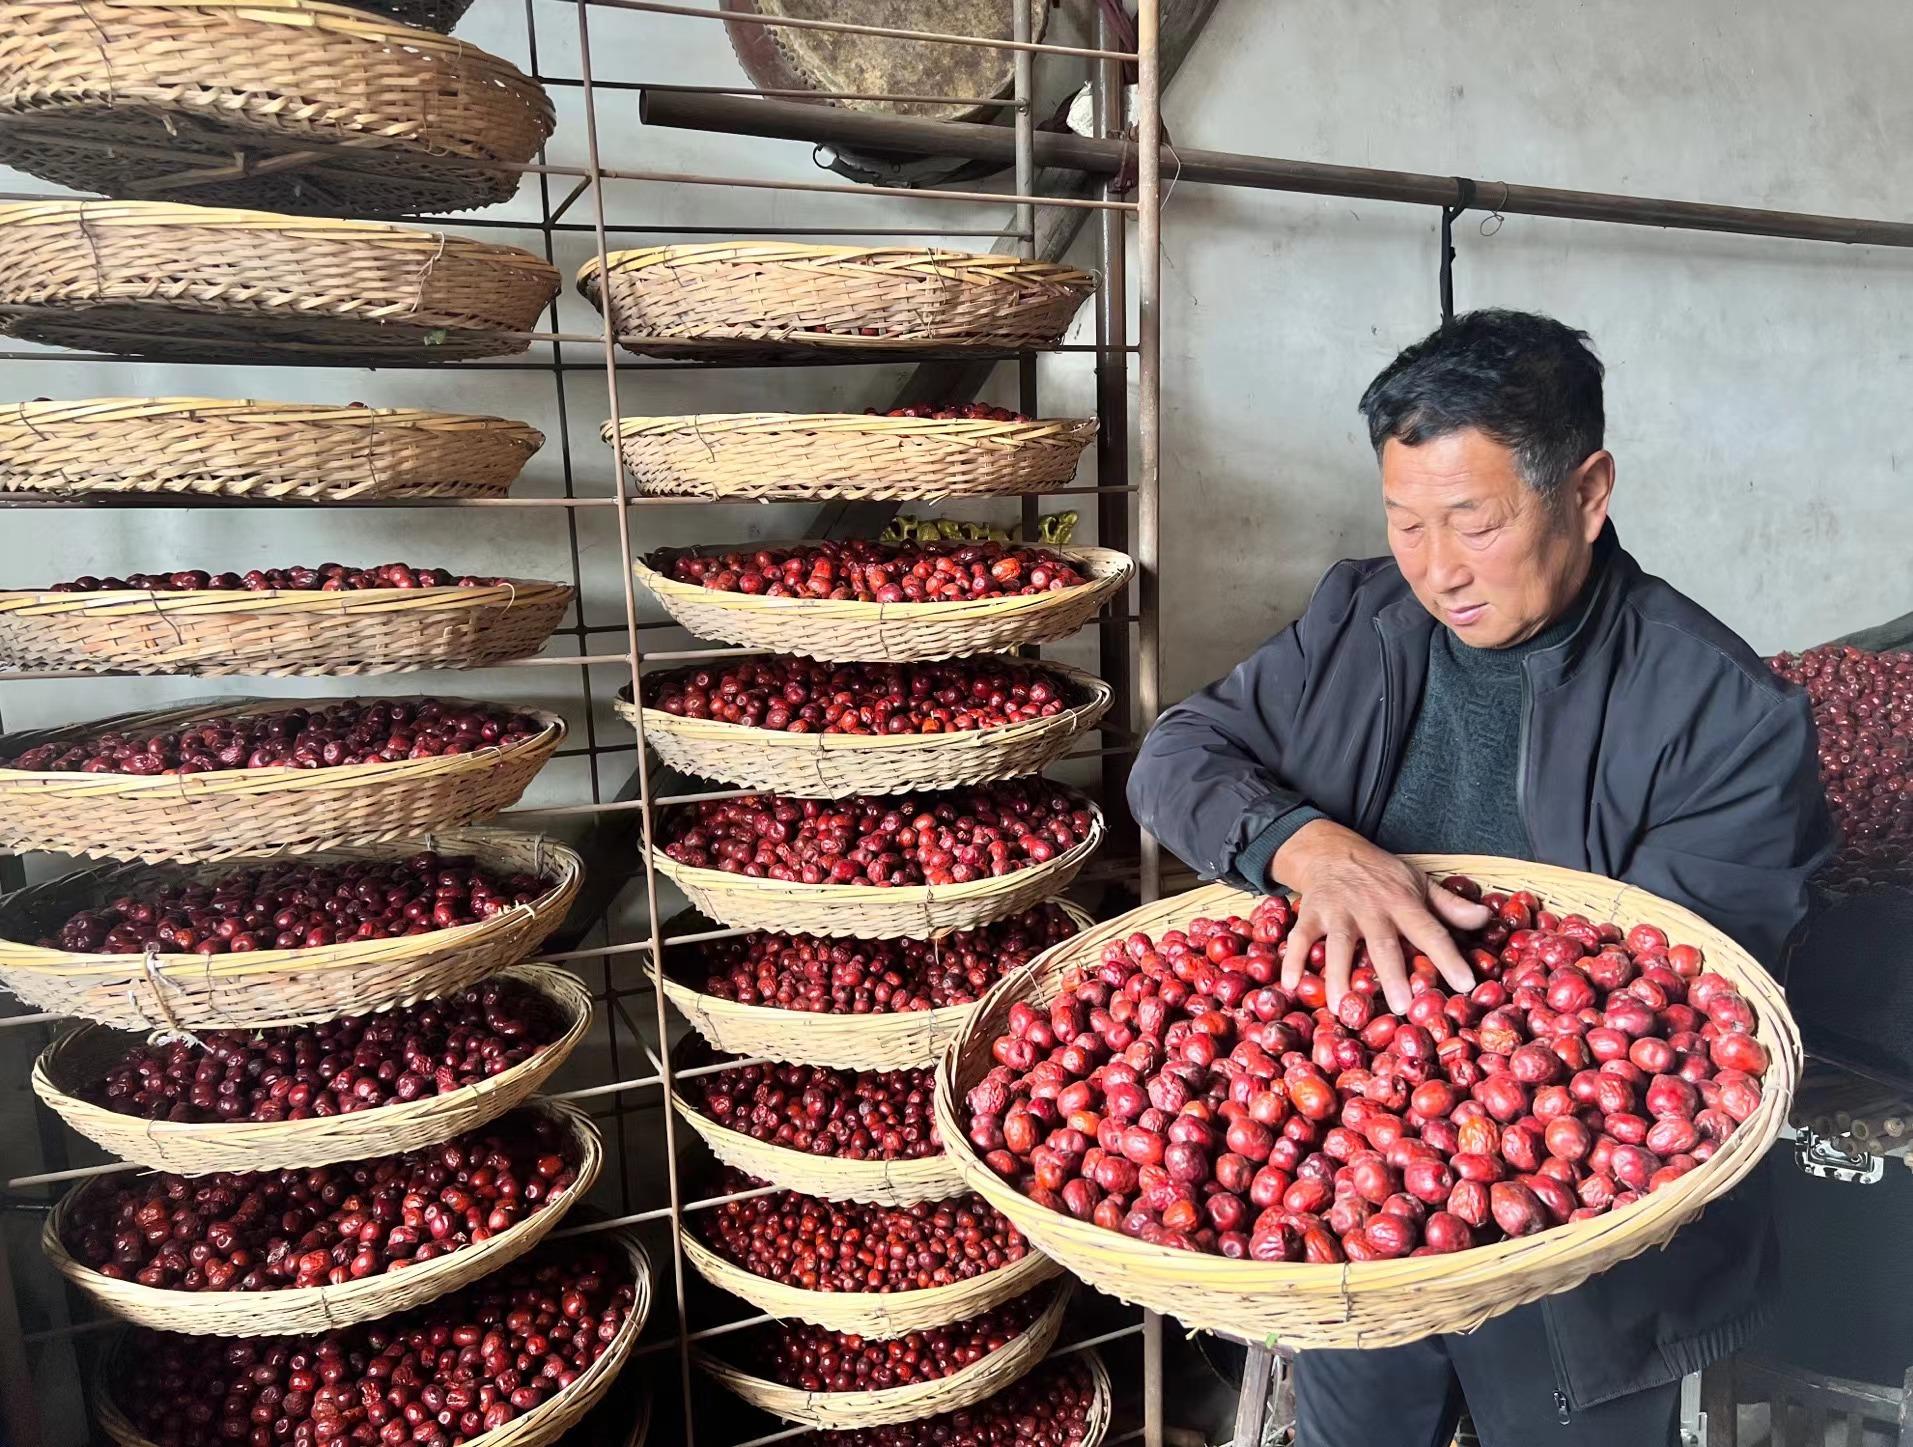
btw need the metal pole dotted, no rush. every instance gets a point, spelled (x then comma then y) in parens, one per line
(1269, 173)
(1026, 394)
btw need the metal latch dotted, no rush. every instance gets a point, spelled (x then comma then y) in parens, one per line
(1836, 1158)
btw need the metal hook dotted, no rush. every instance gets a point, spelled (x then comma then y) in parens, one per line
(1466, 200)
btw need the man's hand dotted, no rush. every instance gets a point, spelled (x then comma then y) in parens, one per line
(1352, 892)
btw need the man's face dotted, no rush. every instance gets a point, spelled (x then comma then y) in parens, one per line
(1484, 552)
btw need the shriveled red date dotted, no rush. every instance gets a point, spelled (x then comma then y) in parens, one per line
(326, 578)
(866, 1115)
(813, 1359)
(803, 696)
(1051, 1407)
(871, 572)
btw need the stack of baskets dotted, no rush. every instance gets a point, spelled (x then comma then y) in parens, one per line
(784, 302)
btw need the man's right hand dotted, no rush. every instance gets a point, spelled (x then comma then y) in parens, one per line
(1354, 893)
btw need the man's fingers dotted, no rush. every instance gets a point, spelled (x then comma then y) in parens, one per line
(1459, 912)
(1427, 935)
(1340, 962)
(1385, 954)
(1295, 952)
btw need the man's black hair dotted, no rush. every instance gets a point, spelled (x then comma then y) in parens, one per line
(1529, 382)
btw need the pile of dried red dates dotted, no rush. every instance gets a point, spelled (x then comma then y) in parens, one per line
(296, 905)
(883, 839)
(803, 696)
(812, 1359)
(357, 1062)
(321, 1227)
(1863, 712)
(866, 1115)
(1051, 1407)
(295, 738)
(326, 578)
(961, 412)
(1177, 1093)
(876, 977)
(435, 1377)
(818, 1245)
(871, 572)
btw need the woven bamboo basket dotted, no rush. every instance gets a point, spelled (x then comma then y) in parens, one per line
(193, 1150)
(263, 988)
(885, 1406)
(906, 1040)
(880, 1314)
(280, 633)
(287, 105)
(192, 818)
(870, 911)
(541, 1425)
(796, 457)
(1377, 1303)
(295, 1310)
(885, 1183)
(259, 451)
(842, 630)
(193, 283)
(832, 766)
(764, 297)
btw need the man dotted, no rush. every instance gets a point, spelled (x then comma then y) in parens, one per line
(1509, 683)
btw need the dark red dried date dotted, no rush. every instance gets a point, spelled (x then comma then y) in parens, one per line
(803, 696)
(1051, 1407)
(960, 412)
(812, 1359)
(866, 1115)
(870, 572)
(326, 578)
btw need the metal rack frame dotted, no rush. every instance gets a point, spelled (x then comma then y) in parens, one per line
(1136, 667)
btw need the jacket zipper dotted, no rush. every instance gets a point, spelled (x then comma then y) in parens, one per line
(1561, 1412)
(1372, 806)
(1521, 781)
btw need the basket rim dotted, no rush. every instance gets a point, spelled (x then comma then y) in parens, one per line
(596, 1381)
(450, 597)
(350, 1298)
(840, 422)
(1575, 1240)
(1044, 1328)
(568, 872)
(1099, 696)
(636, 257)
(719, 881)
(1114, 569)
(79, 410)
(332, 18)
(562, 989)
(189, 784)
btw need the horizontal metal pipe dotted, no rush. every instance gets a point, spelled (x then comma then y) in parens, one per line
(788, 121)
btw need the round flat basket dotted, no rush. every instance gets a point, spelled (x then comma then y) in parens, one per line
(870, 911)
(904, 1040)
(543, 1424)
(832, 766)
(192, 283)
(880, 1314)
(287, 105)
(277, 633)
(258, 451)
(887, 1405)
(294, 1310)
(192, 818)
(847, 631)
(884, 1183)
(258, 989)
(192, 1149)
(759, 297)
(1376, 1303)
(796, 457)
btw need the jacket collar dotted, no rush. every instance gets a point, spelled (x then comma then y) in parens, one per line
(1616, 574)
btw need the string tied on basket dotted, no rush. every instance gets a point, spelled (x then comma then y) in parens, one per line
(173, 1031)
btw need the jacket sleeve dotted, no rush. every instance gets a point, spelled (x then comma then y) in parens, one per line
(1740, 849)
(1208, 779)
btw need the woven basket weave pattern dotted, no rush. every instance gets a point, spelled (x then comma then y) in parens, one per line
(214, 633)
(542, 1424)
(194, 1149)
(876, 912)
(794, 457)
(846, 631)
(262, 988)
(333, 110)
(905, 1040)
(666, 300)
(193, 818)
(292, 1310)
(833, 766)
(1382, 1303)
(197, 283)
(886, 1405)
(257, 450)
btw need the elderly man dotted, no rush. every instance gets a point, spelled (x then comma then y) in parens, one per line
(1508, 682)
